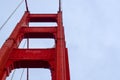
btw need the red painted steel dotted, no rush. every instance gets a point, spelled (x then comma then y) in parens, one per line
(32, 54)
(55, 59)
(43, 17)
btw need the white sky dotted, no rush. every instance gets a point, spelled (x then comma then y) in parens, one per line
(92, 29)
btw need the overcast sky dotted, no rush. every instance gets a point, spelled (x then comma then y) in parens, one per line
(92, 30)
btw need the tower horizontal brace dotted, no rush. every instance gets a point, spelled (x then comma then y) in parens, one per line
(39, 29)
(43, 17)
(32, 54)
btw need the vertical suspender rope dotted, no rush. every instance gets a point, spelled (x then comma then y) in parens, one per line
(27, 68)
(27, 73)
(28, 48)
(27, 40)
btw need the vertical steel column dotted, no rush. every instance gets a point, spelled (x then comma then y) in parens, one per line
(61, 50)
(11, 42)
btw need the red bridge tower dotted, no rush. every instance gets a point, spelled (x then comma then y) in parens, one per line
(55, 59)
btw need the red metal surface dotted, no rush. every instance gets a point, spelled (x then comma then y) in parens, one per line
(55, 59)
(43, 17)
(32, 54)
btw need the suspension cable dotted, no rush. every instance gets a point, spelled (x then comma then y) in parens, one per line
(11, 15)
(13, 75)
(22, 74)
(26, 6)
(24, 44)
(23, 69)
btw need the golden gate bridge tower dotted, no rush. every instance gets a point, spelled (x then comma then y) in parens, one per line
(55, 59)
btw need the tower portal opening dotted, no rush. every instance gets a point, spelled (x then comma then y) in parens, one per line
(47, 24)
(38, 43)
(38, 73)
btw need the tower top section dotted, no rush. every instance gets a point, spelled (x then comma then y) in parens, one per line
(59, 5)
